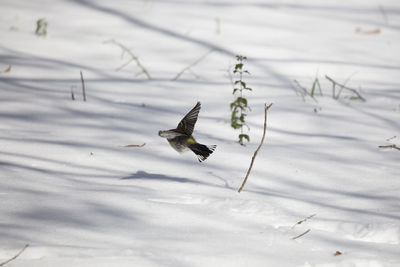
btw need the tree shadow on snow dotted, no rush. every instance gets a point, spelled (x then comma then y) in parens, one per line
(142, 175)
(158, 177)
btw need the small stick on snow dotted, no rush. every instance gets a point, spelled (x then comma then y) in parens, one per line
(192, 65)
(304, 220)
(259, 146)
(133, 58)
(72, 93)
(6, 70)
(83, 88)
(16, 256)
(142, 145)
(390, 146)
(301, 234)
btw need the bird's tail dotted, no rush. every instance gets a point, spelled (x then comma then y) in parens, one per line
(202, 151)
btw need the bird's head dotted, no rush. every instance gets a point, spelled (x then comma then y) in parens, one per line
(169, 134)
(161, 133)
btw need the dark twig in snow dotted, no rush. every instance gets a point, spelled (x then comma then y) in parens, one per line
(72, 93)
(133, 58)
(83, 88)
(259, 146)
(142, 145)
(337, 253)
(188, 68)
(300, 235)
(393, 146)
(304, 220)
(16, 256)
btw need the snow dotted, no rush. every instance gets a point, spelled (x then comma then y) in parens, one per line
(72, 191)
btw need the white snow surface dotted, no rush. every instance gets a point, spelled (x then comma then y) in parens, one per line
(72, 191)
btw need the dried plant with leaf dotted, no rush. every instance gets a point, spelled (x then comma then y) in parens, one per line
(239, 107)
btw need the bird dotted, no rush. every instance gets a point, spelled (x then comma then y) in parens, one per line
(181, 138)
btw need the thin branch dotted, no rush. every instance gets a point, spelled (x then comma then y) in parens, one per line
(72, 93)
(192, 65)
(304, 220)
(372, 31)
(301, 234)
(334, 83)
(393, 146)
(83, 88)
(124, 65)
(259, 146)
(133, 58)
(142, 145)
(16, 256)
(337, 253)
(6, 70)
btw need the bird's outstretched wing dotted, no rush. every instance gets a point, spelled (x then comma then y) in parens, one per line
(186, 125)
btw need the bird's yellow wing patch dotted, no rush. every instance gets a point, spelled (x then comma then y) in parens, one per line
(191, 141)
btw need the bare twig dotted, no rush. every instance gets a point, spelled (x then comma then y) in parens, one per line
(393, 146)
(372, 31)
(83, 88)
(142, 145)
(124, 65)
(343, 86)
(133, 58)
(304, 220)
(6, 70)
(16, 256)
(258, 148)
(337, 253)
(301, 234)
(192, 65)
(72, 93)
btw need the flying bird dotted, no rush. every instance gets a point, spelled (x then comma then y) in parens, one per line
(181, 138)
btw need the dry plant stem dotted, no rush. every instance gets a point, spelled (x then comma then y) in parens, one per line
(258, 148)
(6, 70)
(133, 58)
(72, 94)
(301, 234)
(337, 253)
(192, 65)
(304, 220)
(342, 86)
(142, 145)
(305, 92)
(393, 146)
(16, 256)
(83, 88)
